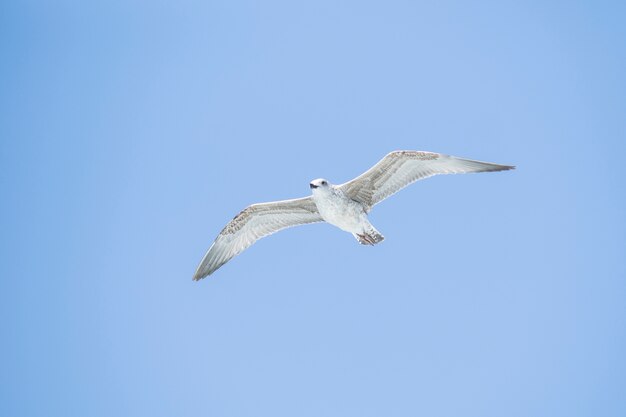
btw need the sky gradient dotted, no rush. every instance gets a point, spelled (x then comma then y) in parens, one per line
(131, 132)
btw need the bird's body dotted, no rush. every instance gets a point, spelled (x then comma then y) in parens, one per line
(340, 210)
(345, 206)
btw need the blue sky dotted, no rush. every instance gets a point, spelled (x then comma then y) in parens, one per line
(132, 131)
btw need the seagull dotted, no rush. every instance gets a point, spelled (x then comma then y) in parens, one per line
(345, 206)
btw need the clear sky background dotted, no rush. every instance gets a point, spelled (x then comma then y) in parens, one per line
(132, 131)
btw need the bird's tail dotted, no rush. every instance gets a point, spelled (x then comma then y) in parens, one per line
(370, 237)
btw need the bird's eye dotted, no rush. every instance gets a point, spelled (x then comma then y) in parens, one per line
(323, 182)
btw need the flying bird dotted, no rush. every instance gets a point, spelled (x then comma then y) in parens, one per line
(345, 206)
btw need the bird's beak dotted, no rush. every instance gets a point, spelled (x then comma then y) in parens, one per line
(313, 186)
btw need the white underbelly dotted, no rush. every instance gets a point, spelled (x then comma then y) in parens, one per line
(346, 216)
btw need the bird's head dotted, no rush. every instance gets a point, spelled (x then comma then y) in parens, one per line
(319, 184)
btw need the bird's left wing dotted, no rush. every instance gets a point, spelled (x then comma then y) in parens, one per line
(401, 168)
(253, 223)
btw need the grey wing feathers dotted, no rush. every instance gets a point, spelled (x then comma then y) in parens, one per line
(401, 168)
(253, 223)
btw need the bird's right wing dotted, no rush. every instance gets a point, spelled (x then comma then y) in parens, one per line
(401, 168)
(253, 223)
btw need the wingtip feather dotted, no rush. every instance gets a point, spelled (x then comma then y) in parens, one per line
(204, 272)
(198, 276)
(504, 167)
